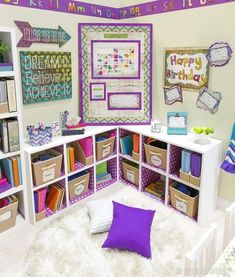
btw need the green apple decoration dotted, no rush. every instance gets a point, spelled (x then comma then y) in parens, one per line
(203, 130)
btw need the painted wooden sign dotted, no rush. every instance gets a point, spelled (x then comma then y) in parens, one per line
(41, 35)
(187, 67)
(46, 76)
(82, 8)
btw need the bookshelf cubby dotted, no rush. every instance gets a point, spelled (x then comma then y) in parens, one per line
(7, 35)
(210, 153)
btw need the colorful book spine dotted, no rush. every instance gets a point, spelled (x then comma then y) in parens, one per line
(71, 158)
(68, 159)
(13, 135)
(15, 171)
(36, 201)
(20, 170)
(11, 95)
(8, 170)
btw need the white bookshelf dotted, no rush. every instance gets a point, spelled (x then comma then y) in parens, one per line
(210, 172)
(8, 35)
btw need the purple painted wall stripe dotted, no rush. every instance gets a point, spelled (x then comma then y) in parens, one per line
(81, 8)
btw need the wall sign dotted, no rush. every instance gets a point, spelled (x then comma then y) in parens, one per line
(209, 100)
(41, 35)
(177, 123)
(186, 67)
(81, 8)
(115, 73)
(219, 54)
(173, 95)
(46, 76)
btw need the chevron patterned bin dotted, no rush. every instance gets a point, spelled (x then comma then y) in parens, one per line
(40, 137)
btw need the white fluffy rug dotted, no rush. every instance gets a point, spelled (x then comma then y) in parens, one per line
(65, 247)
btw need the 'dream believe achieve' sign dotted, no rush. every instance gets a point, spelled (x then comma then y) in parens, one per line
(46, 76)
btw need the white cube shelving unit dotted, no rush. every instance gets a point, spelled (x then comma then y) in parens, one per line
(9, 37)
(210, 171)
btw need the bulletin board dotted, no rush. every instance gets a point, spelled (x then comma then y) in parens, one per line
(115, 73)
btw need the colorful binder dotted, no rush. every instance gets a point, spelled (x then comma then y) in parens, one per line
(126, 145)
(185, 160)
(195, 165)
(136, 143)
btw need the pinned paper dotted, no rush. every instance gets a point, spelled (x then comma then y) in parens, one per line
(219, 54)
(209, 100)
(173, 94)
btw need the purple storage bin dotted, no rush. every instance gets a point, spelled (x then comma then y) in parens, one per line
(195, 164)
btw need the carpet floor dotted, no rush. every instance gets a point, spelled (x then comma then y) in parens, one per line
(66, 248)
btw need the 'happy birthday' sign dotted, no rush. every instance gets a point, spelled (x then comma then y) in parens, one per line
(187, 67)
(46, 76)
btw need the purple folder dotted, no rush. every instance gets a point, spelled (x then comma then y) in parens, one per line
(195, 164)
(4, 187)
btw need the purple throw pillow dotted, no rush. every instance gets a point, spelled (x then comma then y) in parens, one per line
(130, 229)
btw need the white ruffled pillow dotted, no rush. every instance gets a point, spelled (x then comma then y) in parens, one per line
(101, 215)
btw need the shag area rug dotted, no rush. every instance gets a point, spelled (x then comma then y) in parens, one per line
(65, 247)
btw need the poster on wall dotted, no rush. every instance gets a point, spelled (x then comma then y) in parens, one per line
(46, 76)
(115, 73)
(187, 67)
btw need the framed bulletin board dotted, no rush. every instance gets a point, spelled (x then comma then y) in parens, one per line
(187, 67)
(115, 73)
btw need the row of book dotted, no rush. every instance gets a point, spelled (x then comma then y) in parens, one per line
(9, 134)
(129, 144)
(7, 95)
(6, 67)
(70, 159)
(51, 198)
(10, 173)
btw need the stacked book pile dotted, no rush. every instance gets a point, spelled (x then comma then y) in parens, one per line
(55, 197)
(6, 67)
(7, 96)
(9, 134)
(10, 173)
(157, 189)
(102, 174)
(71, 130)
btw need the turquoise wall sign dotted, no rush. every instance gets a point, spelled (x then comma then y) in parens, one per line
(46, 76)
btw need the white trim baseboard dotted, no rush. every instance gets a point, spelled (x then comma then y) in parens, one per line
(223, 203)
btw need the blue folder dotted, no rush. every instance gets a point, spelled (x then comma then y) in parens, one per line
(185, 160)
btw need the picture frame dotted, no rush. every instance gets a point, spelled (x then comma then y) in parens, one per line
(177, 123)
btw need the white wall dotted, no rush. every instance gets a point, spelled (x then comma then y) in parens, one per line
(197, 27)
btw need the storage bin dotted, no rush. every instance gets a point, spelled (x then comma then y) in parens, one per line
(135, 156)
(131, 172)
(157, 189)
(104, 148)
(155, 156)
(40, 216)
(78, 186)
(48, 170)
(183, 202)
(184, 176)
(8, 215)
(80, 156)
(194, 181)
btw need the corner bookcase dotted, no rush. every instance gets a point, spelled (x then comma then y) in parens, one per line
(8, 36)
(211, 155)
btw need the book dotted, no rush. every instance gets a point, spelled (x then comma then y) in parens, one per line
(71, 158)
(20, 169)
(185, 160)
(55, 197)
(101, 168)
(13, 135)
(68, 159)
(103, 178)
(72, 132)
(8, 170)
(157, 189)
(136, 143)
(15, 171)
(126, 145)
(5, 186)
(6, 67)
(4, 136)
(11, 95)
(35, 196)
(79, 125)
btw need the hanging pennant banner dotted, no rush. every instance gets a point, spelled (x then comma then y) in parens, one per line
(41, 35)
(81, 8)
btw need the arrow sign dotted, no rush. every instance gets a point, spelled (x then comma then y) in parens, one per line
(41, 35)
